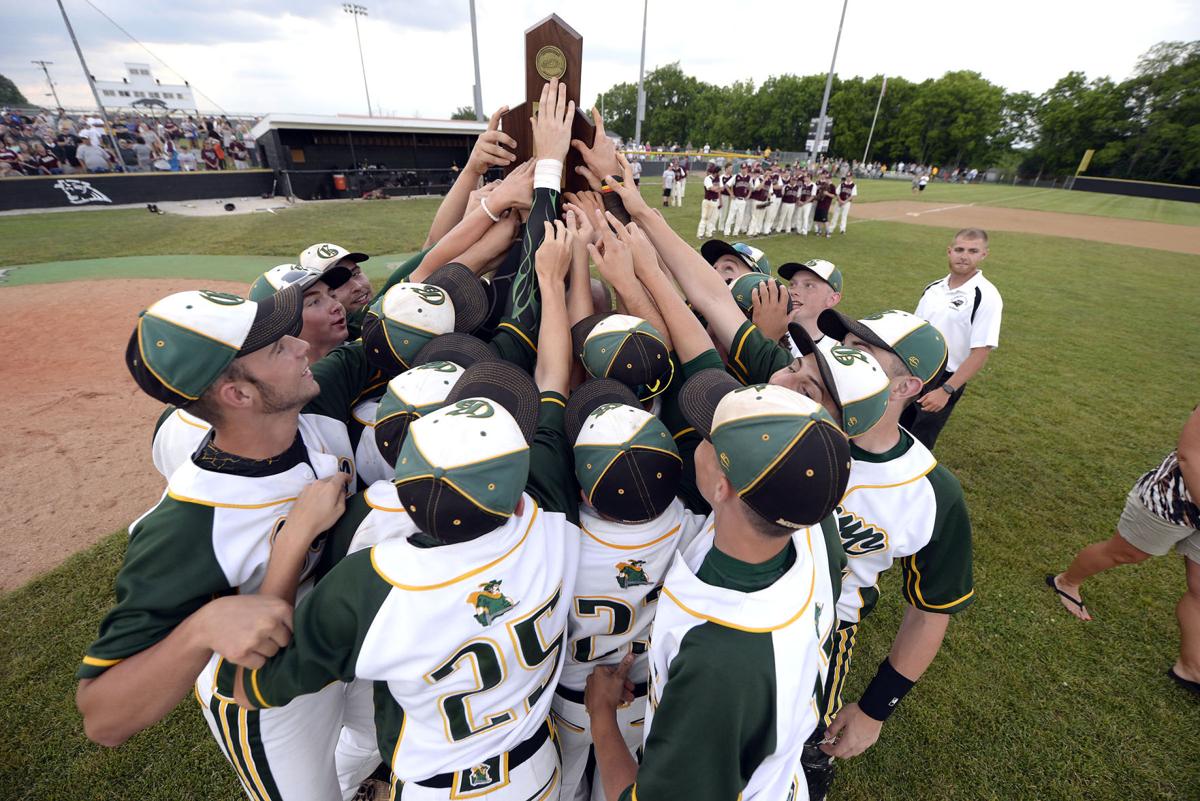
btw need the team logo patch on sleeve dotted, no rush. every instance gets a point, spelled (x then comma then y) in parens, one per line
(490, 603)
(632, 574)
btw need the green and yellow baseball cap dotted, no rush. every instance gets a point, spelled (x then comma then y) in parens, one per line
(853, 378)
(825, 270)
(282, 275)
(743, 286)
(409, 315)
(409, 397)
(462, 468)
(625, 459)
(752, 257)
(183, 343)
(918, 343)
(784, 455)
(625, 348)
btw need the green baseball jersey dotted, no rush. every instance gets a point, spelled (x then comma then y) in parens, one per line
(753, 358)
(738, 654)
(903, 505)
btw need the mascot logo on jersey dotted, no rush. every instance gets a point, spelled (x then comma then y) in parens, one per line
(490, 603)
(481, 775)
(632, 574)
(859, 537)
(79, 192)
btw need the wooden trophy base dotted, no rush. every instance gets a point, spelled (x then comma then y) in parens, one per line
(516, 124)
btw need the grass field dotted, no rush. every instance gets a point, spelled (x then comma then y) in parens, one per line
(1096, 372)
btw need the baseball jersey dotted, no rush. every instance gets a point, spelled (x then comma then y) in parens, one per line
(903, 505)
(825, 344)
(847, 190)
(712, 189)
(807, 190)
(741, 185)
(739, 652)
(968, 316)
(668, 178)
(760, 190)
(753, 358)
(620, 575)
(823, 200)
(790, 191)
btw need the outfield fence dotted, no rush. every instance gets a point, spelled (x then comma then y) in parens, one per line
(1122, 186)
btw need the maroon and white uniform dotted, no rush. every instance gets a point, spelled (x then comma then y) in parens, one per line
(738, 217)
(840, 213)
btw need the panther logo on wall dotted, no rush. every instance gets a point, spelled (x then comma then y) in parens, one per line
(79, 192)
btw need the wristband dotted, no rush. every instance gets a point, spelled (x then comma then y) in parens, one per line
(547, 174)
(884, 692)
(486, 210)
(949, 389)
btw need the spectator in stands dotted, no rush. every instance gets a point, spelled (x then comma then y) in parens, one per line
(129, 159)
(187, 157)
(93, 157)
(144, 153)
(64, 151)
(209, 154)
(45, 161)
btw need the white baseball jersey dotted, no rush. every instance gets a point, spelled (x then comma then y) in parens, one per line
(467, 638)
(749, 663)
(903, 505)
(968, 316)
(825, 344)
(368, 460)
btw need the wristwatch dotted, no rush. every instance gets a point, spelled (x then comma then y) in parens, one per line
(949, 389)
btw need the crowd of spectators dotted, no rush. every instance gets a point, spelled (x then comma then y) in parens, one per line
(58, 143)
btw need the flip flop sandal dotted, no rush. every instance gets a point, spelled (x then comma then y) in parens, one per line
(1190, 686)
(1050, 583)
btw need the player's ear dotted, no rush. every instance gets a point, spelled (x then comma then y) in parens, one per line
(905, 388)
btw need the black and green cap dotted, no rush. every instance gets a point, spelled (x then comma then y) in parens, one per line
(625, 348)
(752, 257)
(918, 343)
(784, 455)
(462, 349)
(409, 315)
(282, 275)
(625, 459)
(855, 381)
(461, 470)
(409, 397)
(183, 343)
(743, 286)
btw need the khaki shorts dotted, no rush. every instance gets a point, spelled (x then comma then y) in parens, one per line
(1148, 532)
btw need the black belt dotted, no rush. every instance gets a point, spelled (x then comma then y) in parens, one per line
(639, 690)
(516, 756)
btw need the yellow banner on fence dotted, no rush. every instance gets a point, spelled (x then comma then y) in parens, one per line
(1085, 161)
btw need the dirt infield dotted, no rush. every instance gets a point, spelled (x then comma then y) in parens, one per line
(1139, 233)
(76, 436)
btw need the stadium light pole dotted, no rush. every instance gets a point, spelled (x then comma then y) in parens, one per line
(870, 135)
(475, 49)
(640, 112)
(829, 83)
(356, 11)
(44, 65)
(95, 92)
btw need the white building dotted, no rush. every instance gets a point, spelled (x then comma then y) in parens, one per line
(141, 85)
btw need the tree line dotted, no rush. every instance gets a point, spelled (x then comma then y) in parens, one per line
(1145, 127)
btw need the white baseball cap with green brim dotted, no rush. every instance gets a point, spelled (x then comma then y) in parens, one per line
(282, 275)
(183, 343)
(825, 270)
(324, 255)
(409, 397)
(918, 343)
(853, 378)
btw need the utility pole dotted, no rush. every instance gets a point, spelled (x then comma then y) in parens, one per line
(356, 11)
(475, 49)
(829, 82)
(878, 103)
(117, 161)
(640, 112)
(49, 80)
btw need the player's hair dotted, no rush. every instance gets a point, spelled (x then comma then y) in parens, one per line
(765, 527)
(206, 407)
(972, 233)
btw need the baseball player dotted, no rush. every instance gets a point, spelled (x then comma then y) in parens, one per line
(776, 184)
(788, 221)
(735, 223)
(824, 198)
(681, 174)
(668, 184)
(731, 262)
(806, 203)
(760, 201)
(753, 594)
(709, 207)
(900, 504)
(846, 192)
(478, 516)
(726, 196)
(356, 292)
(633, 521)
(279, 423)
(814, 286)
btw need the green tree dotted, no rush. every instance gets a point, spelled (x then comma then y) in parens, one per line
(1072, 116)
(463, 113)
(10, 94)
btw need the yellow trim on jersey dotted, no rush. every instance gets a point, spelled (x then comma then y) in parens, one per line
(202, 426)
(367, 498)
(262, 702)
(395, 754)
(550, 787)
(912, 563)
(554, 400)
(519, 333)
(559, 720)
(96, 661)
(753, 630)
(737, 353)
(888, 486)
(628, 547)
(687, 430)
(223, 724)
(214, 504)
(422, 588)
(243, 726)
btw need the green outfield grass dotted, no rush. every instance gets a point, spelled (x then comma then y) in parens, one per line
(1096, 372)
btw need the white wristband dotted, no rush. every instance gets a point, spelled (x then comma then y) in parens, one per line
(486, 210)
(547, 174)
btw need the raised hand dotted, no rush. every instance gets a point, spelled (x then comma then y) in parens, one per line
(631, 196)
(614, 259)
(246, 629)
(769, 309)
(489, 150)
(601, 157)
(553, 257)
(579, 220)
(514, 192)
(645, 257)
(552, 124)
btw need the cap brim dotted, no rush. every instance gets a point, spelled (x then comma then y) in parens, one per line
(354, 257)
(279, 315)
(466, 293)
(334, 276)
(806, 346)
(714, 249)
(461, 349)
(590, 396)
(837, 325)
(507, 385)
(699, 396)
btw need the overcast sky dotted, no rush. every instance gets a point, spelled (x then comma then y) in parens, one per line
(301, 55)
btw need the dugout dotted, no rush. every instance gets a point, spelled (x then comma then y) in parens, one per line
(397, 155)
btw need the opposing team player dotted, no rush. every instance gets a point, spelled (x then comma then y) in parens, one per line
(709, 206)
(735, 223)
(840, 212)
